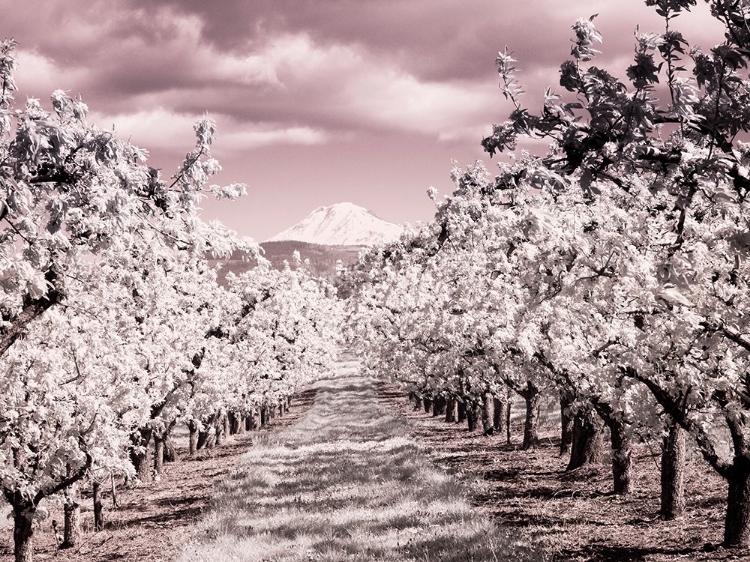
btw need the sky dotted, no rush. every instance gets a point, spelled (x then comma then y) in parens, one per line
(316, 101)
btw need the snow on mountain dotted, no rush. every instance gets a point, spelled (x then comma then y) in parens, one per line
(343, 224)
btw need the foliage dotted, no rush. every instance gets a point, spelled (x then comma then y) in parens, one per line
(613, 266)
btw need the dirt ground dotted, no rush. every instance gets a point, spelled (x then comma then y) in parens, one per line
(346, 483)
(574, 516)
(153, 520)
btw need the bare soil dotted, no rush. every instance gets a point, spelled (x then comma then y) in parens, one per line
(571, 516)
(574, 515)
(346, 483)
(155, 519)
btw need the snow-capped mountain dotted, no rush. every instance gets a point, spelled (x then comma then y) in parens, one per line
(343, 224)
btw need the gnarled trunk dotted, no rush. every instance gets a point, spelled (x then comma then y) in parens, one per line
(205, 439)
(115, 503)
(461, 417)
(142, 459)
(96, 489)
(219, 434)
(622, 456)
(158, 455)
(23, 528)
(232, 423)
(427, 405)
(532, 397)
(622, 449)
(672, 473)
(567, 419)
(737, 522)
(71, 517)
(451, 410)
(508, 428)
(225, 426)
(170, 452)
(438, 405)
(587, 447)
(418, 402)
(488, 413)
(192, 426)
(498, 418)
(473, 413)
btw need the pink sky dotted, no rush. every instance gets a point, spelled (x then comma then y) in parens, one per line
(317, 101)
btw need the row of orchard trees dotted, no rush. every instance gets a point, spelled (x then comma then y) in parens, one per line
(612, 271)
(113, 328)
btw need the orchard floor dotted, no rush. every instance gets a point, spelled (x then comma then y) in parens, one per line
(346, 482)
(154, 520)
(350, 474)
(574, 516)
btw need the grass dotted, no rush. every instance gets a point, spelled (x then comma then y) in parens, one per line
(346, 482)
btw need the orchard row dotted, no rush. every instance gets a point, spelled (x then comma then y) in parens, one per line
(114, 328)
(612, 271)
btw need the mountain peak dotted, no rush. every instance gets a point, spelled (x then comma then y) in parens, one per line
(342, 224)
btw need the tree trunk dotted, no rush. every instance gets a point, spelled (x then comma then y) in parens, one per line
(737, 522)
(23, 528)
(498, 418)
(170, 451)
(438, 406)
(142, 461)
(451, 410)
(471, 420)
(158, 456)
(461, 417)
(567, 420)
(263, 416)
(98, 512)
(473, 415)
(488, 413)
(252, 420)
(418, 402)
(204, 440)
(240, 423)
(219, 432)
(672, 472)
(192, 426)
(232, 423)
(115, 503)
(508, 428)
(622, 456)
(71, 517)
(427, 405)
(587, 445)
(225, 426)
(532, 397)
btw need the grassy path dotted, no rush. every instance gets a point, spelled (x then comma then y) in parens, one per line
(346, 482)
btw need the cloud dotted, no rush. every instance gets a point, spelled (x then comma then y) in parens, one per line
(338, 67)
(162, 129)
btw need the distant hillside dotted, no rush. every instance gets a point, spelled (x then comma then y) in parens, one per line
(322, 257)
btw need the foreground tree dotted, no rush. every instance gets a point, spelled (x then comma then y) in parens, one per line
(80, 215)
(682, 174)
